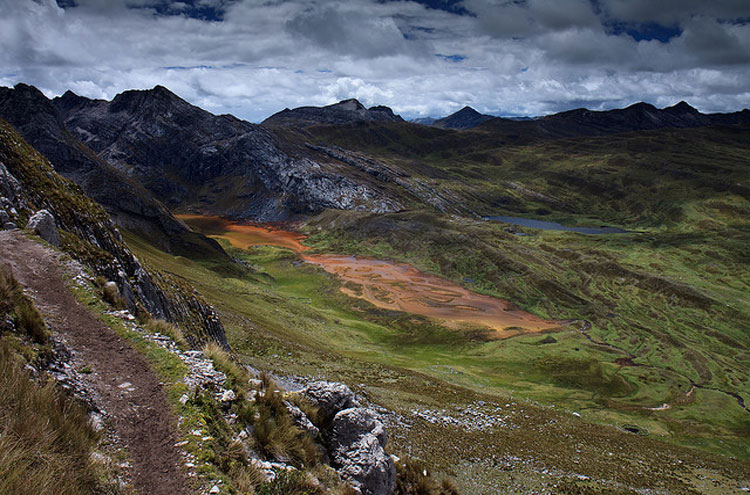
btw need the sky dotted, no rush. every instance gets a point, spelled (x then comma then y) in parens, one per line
(252, 58)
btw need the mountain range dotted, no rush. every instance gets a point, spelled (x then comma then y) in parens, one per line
(147, 152)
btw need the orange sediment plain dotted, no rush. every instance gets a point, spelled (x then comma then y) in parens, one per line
(388, 285)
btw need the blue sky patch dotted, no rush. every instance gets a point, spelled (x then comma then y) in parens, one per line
(451, 58)
(451, 6)
(645, 32)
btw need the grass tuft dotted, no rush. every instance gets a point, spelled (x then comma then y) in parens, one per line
(236, 375)
(21, 309)
(45, 438)
(170, 330)
(275, 432)
(413, 478)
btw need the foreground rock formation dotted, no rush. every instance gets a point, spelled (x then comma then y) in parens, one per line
(356, 438)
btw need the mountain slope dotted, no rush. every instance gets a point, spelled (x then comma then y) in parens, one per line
(129, 205)
(28, 184)
(190, 158)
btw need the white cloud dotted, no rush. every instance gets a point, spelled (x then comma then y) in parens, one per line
(528, 57)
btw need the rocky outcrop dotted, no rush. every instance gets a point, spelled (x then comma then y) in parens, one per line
(29, 184)
(189, 157)
(356, 438)
(341, 113)
(330, 397)
(358, 441)
(43, 224)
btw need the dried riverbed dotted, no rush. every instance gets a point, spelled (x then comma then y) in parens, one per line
(388, 285)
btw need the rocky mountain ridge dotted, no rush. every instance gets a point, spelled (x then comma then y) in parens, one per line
(637, 117)
(188, 157)
(126, 201)
(341, 113)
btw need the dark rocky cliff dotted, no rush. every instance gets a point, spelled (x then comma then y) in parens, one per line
(28, 183)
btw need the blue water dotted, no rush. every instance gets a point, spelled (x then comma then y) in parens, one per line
(544, 225)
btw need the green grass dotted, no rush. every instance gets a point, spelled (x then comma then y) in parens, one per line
(20, 309)
(645, 294)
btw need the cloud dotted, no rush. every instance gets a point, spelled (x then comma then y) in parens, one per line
(428, 57)
(350, 31)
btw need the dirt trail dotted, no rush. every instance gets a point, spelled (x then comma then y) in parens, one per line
(127, 388)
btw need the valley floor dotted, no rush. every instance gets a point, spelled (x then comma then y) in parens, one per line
(491, 435)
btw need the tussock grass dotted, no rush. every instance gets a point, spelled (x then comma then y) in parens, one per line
(170, 330)
(246, 478)
(275, 431)
(21, 309)
(413, 478)
(287, 482)
(110, 293)
(45, 438)
(237, 376)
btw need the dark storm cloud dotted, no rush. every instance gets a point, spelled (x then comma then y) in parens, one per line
(351, 32)
(425, 57)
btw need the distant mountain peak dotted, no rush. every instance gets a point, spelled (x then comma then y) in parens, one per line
(467, 110)
(682, 106)
(343, 112)
(466, 118)
(641, 105)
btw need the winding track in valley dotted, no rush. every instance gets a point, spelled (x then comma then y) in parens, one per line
(125, 385)
(693, 385)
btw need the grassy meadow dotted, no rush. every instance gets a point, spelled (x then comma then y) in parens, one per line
(290, 317)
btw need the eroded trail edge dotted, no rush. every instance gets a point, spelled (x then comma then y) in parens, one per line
(121, 379)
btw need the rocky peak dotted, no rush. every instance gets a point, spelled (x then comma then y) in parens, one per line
(341, 113)
(642, 107)
(69, 101)
(136, 100)
(467, 111)
(350, 105)
(682, 107)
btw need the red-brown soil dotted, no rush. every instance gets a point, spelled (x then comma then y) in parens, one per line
(395, 286)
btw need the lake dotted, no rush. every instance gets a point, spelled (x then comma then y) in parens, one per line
(545, 225)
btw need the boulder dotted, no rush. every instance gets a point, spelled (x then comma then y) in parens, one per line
(358, 441)
(43, 224)
(352, 424)
(330, 397)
